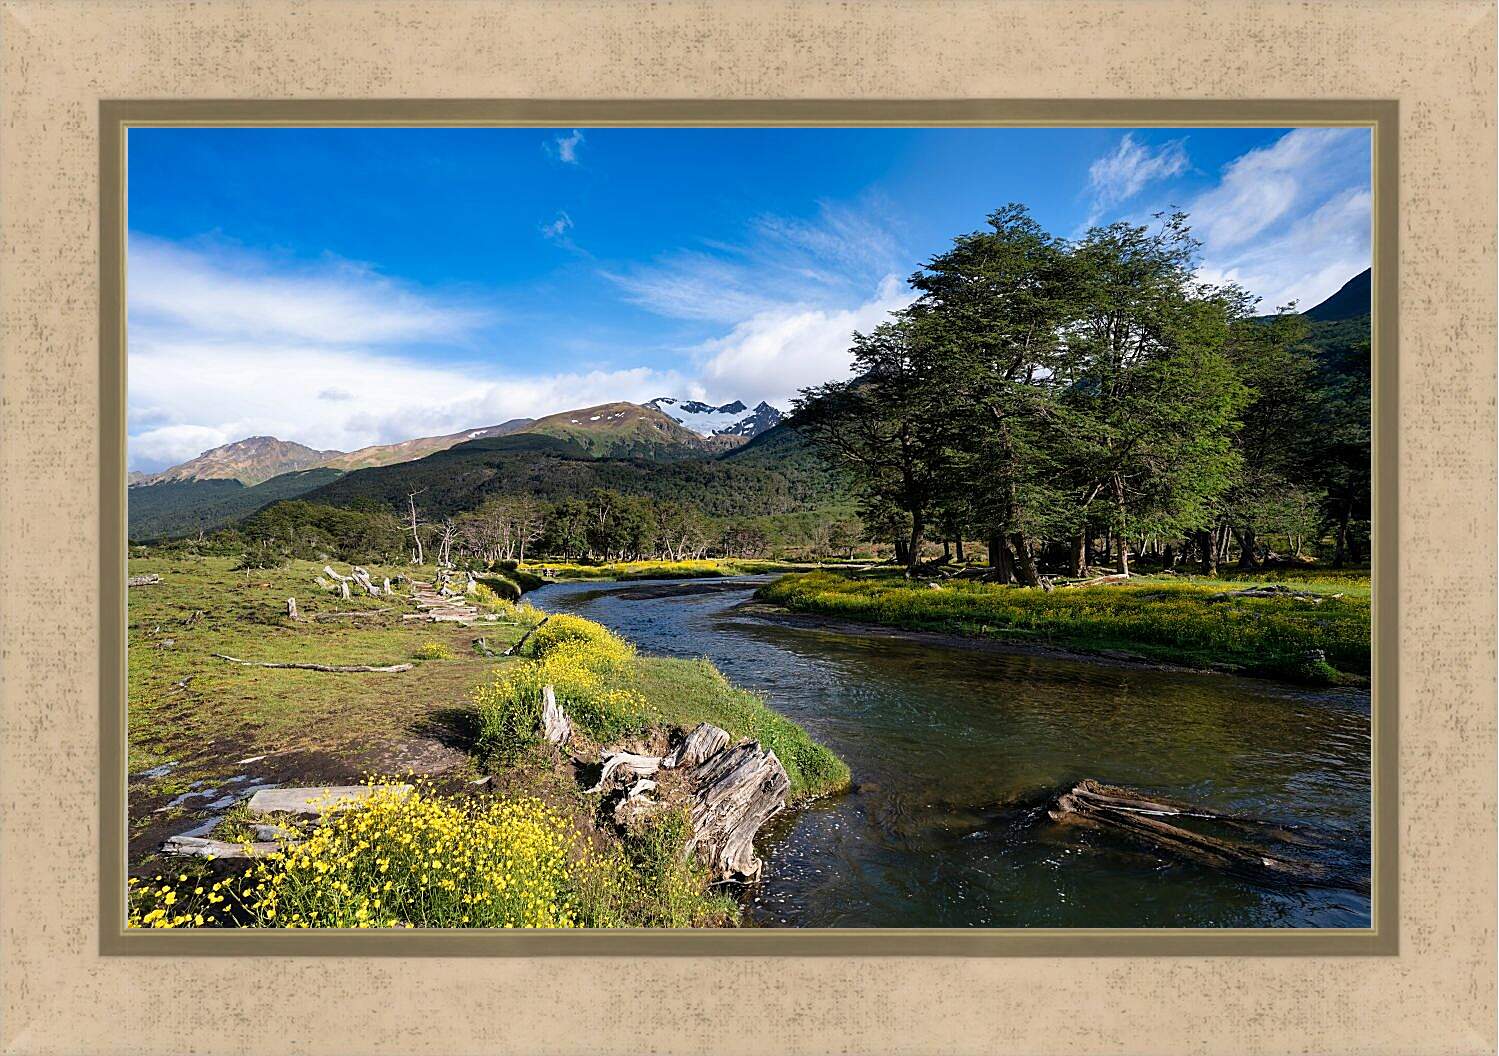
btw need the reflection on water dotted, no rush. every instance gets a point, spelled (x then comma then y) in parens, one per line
(955, 751)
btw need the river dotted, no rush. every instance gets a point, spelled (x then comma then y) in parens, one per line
(955, 751)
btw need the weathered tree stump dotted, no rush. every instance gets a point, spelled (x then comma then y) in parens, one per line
(555, 726)
(731, 793)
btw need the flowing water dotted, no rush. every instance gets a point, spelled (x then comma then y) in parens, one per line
(955, 752)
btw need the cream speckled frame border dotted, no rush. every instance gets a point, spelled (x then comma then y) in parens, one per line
(117, 116)
(1436, 58)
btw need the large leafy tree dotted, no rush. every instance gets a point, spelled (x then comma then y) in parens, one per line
(889, 424)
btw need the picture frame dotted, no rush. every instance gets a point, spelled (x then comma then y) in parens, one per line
(827, 965)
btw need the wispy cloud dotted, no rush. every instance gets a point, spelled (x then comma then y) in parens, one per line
(226, 344)
(559, 227)
(1292, 220)
(833, 260)
(1126, 170)
(229, 292)
(565, 148)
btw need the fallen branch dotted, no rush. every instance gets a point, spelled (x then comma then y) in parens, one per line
(142, 581)
(516, 647)
(338, 669)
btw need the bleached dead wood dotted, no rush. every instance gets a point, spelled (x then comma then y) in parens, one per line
(733, 793)
(1273, 590)
(738, 791)
(639, 765)
(705, 741)
(555, 726)
(142, 581)
(197, 846)
(291, 608)
(330, 668)
(1139, 818)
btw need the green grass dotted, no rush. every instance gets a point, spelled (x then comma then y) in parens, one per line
(1171, 618)
(185, 704)
(204, 713)
(610, 693)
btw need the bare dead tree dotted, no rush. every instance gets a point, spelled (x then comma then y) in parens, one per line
(415, 526)
(447, 531)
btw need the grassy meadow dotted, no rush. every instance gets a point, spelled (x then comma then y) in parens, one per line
(1173, 618)
(524, 846)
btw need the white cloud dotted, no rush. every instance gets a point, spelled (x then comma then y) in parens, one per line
(226, 345)
(778, 351)
(558, 227)
(1120, 175)
(1292, 220)
(566, 147)
(229, 292)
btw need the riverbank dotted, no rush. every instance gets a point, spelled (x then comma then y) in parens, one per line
(206, 732)
(1321, 638)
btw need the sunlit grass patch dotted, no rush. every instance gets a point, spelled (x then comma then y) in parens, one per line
(1160, 617)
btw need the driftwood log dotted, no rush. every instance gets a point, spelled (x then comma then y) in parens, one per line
(142, 581)
(1274, 590)
(198, 846)
(1140, 818)
(341, 669)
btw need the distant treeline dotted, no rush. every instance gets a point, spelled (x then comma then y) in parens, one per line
(1072, 402)
(603, 526)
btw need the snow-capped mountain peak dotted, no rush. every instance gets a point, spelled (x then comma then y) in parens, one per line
(729, 419)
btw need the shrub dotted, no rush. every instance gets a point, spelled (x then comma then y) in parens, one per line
(427, 861)
(503, 587)
(433, 651)
(561, 629)
(585, 664)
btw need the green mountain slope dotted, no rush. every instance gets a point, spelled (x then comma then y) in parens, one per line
(186, 507)
(775, 474)
(622, 430)
(1353, 300)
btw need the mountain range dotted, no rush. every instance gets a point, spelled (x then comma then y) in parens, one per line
(225, 483)
(608, 430)
(730, 460)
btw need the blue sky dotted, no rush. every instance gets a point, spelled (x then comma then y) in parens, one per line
(343, 287)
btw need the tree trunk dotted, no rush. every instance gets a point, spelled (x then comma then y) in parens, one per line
(913, 555)
(1168, 557)
(1123, 554)
(946, 550)
(959, 541)
(1077, 566)
(1208, 544)
(1247, 557)
(999, 559)
(1025, 561)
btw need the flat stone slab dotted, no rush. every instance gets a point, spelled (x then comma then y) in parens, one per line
(317, 800)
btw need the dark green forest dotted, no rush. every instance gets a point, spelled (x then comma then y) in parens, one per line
(1077, 403)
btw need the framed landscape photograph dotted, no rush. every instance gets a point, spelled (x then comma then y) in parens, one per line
(752, 528)
(781, 527)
